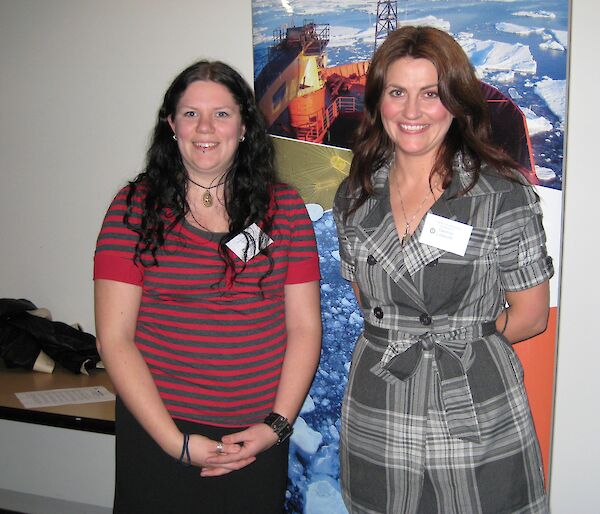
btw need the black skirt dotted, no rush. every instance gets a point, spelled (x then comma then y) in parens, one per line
(150, 481)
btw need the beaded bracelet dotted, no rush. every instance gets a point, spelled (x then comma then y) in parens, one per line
(185, 452)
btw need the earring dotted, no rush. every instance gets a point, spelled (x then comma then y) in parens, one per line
(242, 139)
(174, 137)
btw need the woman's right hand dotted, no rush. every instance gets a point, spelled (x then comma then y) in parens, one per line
(201, 448)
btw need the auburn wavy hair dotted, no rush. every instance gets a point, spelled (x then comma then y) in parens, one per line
(460, 92)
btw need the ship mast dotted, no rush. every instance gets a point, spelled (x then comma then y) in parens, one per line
(387, 20)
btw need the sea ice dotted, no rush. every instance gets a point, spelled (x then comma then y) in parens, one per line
(544, 174)
(552, 45)
(308, 405)
(496, 55)
(535, 14)
(431, 21)
(535, 124)
(562, 36)
(506, 77)
(520, 30)
(315, 211)
(553, 93)
(305, 439)
(326, 461)
(323, 497)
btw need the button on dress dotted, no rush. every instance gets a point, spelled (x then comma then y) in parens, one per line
(435, 418)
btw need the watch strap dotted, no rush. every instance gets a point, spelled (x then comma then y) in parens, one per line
(280, 425)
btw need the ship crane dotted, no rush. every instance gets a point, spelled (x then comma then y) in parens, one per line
(387, 20)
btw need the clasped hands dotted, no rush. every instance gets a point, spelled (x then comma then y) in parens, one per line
(236, 450)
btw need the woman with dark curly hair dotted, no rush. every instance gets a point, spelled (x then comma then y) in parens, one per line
(443, 243)
(207, 308)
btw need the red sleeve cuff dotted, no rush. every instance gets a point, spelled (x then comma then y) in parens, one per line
(303, 271)
(115, 267)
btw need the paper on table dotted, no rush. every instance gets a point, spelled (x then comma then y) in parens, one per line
(53, 397)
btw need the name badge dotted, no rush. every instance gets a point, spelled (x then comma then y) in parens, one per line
(449, 235)
(239, 243)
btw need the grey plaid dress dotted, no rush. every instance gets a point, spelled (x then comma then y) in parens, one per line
(435, 418)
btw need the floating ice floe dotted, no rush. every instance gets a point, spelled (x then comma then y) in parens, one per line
(552, 45)
(514, 94)
(430, 21)
(535, 124)
(544, 174)
(341, 36)
(535, 14)
(326, 461)
(323, 496)
(259, 35)
(308, 405)
(506, 77)
(520, 30)
(315, 211)
(554, 94)
(305, 439)
(562, 36)
(495, 55)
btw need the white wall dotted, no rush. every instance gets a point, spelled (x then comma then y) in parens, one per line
(575, 475)
(81, 81)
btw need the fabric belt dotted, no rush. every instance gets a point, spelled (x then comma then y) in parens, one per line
(450, 350)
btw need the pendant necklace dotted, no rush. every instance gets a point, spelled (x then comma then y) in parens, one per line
(207, 198)
(407, 222)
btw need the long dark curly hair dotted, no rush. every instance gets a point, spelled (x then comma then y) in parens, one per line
(163, 184)
(460, 93)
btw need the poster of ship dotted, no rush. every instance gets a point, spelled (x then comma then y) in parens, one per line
(310, 63)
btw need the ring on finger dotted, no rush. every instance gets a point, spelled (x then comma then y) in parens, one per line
(219, 447)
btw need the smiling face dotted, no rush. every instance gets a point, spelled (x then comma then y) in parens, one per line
(208, 126)
(412, 113)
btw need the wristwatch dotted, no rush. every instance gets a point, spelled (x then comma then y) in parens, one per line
(280, 425)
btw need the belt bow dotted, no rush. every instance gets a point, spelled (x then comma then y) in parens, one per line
(457, 399)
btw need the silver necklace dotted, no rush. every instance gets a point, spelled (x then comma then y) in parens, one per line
(207, 198)
(407, 222)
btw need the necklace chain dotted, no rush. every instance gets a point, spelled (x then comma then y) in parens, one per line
(207, 198)
(407, 221)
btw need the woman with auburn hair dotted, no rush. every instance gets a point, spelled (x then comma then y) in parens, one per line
(443, 243)
(207, 308)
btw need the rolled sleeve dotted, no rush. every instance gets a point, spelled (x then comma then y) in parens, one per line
(523, 258)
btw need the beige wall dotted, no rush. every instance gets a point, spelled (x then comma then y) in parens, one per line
(81, 81)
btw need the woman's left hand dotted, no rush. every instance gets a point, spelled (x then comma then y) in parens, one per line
(253, 440)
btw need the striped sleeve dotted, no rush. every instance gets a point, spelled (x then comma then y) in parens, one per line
(524, 262)
(115, 247)
(303, 259)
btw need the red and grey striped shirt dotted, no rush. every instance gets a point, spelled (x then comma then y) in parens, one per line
(214, 349)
